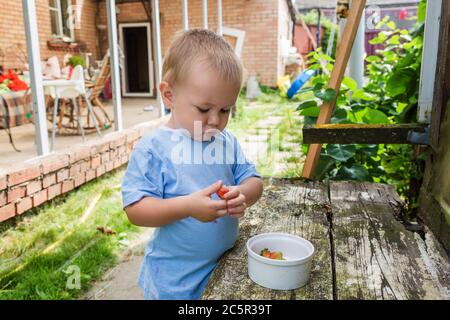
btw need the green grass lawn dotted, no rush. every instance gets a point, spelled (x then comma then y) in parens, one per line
(42, 251)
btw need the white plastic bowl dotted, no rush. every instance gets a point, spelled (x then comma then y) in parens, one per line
(288, 274)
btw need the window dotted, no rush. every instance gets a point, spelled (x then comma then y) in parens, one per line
(60, 16)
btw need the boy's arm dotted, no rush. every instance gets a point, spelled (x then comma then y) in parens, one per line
(153, 212)
(156, 212)
(252, 189)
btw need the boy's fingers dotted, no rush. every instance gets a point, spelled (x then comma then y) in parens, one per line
(222, 212)
(213, 188)
(219, 204)
(233, 193)
(237, 209)
(236, 202)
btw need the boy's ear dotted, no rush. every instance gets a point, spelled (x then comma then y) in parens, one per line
(166, 93)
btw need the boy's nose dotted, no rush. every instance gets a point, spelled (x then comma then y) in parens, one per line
(213, 120)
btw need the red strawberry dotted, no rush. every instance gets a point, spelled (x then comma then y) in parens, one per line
(222, 191)
(277, 255)
(265, 253)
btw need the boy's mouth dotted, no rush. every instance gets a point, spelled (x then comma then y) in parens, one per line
(209, 133)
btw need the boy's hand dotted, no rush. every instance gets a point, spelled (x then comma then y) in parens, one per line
(204, 208)
(236, 204)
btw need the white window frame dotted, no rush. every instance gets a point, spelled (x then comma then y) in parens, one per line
(60, 25)
(240, 37)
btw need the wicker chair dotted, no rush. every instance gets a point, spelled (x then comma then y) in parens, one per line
(95, 88)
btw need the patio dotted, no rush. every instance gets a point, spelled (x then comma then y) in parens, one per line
(24, 136)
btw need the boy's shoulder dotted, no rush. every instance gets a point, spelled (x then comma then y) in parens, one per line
(153, 140)
(228, 135)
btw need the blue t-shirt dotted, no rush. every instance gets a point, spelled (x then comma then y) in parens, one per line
(166, 163)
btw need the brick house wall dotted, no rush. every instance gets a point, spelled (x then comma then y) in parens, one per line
(262, 20)
(12, 36)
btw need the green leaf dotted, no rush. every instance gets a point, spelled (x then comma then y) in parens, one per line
(406, 61)
(305, 148)
(310, 112)
(368, 149)
(391, 25)
(339, 115)
(357, 116)
(350, 83)
(422, 11)
(310, 120)
(372, 59)
(315, 66)
(304, 90)
(381, 38)
(394, 40)
(341, 152)
(383, 22)
(326, 95)
(355, 172)
(318, 83)
(324, 165)
(373, 116)
(307, 104)
(399, 82)
(360, 94)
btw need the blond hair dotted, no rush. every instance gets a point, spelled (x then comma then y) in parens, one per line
(201, 45)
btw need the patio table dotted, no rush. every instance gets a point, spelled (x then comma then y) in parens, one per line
(16, 109)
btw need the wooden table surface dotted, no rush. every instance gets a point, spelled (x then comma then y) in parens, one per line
(362, 250)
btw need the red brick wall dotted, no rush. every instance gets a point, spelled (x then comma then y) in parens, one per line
(32, 183)
(12, 33)
(260, 19)
(264, 22)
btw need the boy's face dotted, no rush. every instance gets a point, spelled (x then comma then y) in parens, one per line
(203, 100)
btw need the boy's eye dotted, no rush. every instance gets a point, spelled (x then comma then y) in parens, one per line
(225, 110)
(202, 110)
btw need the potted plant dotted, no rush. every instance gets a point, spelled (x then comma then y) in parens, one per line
(75, 61)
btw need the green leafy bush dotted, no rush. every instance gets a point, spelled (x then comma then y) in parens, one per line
(389, 97)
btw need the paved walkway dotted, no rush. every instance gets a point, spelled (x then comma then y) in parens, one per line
(264, 143)
(120, 282)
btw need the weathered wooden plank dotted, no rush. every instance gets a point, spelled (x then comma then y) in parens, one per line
(436, 261)
(298, 209)
(375, 256)
(360, 133)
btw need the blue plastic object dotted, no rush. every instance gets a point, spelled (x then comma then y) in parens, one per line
(299, 82)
